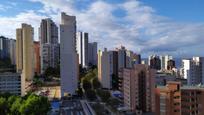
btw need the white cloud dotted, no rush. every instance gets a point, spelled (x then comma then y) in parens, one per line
(141, 29)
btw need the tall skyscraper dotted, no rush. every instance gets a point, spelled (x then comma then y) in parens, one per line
(4, 47)
(193, 70)
(12, 52)
(104, 74)
(24, 51)
(82, 48)
(68, 55)
(121, 57)
(164, 61)
(138, 88)
(37, 57)
(155, 62)
(8, 49)
(92, 51)
(49, 44)
(186, 63)
(171, 64)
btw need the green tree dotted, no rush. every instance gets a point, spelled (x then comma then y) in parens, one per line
(90, 94)
(3, 106)
(86, 84)
(35, 105)
(15, 107)
(104, 95)
(95, 83)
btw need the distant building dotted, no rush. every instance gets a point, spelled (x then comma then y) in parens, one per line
(193, 70)
(161, 79)
(138, 88)
(8, 49)
(155, 62)
(68, 55)
(171, 64)
(12, 52)
(37, 57)
(12, 83)
(4, 47)
(24, 51)
(132, 59)
(164, 61)
(168, 99)
(92, 51)
(121, 57)
(49, 44)
(82, 42)
(192, 101)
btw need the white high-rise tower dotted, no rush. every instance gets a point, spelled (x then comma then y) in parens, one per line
(68, 55)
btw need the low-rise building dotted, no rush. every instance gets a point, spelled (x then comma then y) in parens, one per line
(192, 101)
(11, 83)
(168, 99)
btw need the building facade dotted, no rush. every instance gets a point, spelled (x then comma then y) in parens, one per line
(138, 88)
(49, 44)
(68, 55)
(164, 61)
(193, 70)
(155, 62)
(82, 42)
(37, 57)
(24, 51)
(168, 99)
(11, 83)
(192, 102)
(104, 66)
(92, 51)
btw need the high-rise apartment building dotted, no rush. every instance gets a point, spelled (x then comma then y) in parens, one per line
(49, 44)
(164, 61)
(138, 88)
(12, 51)
(186, 63)
(155, 62)
(24, 51)
(193, 70)
(121, 57)
(68, 55)
(8, 49)
(37, 57)
(92, 51)
(168, 99)
(104, 72)
(192, 100)
(131, 59)
(4, 47)
(171, 64)
(82, 42)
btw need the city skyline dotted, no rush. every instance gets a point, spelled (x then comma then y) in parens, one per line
(133, 23)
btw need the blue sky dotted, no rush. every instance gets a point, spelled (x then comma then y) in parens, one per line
(144, 26)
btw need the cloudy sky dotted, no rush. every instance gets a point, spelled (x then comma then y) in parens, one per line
(174, 27)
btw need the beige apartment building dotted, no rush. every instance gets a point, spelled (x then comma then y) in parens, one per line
(24, 51)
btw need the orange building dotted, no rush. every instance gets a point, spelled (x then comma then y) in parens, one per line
(192, 102)
(37, 57)
(138, 88)
(168, 99)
